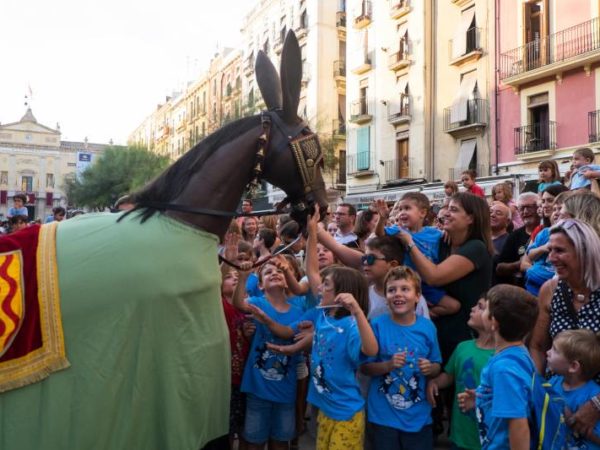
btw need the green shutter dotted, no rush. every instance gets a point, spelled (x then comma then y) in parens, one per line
(363, 148)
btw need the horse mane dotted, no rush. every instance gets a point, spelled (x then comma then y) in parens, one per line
(171, 183)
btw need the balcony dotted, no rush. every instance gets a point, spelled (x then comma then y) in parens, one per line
(594, 126)
(399, 113)
(278, 45)
(538, 139)
(339, 75)
(340, 24)
(577, 46)
(364, 15)
(339, 130)
(399, 60)
(454, 173)
(359, 111)
(360, 164)
(477, 113)
(399, 8)
(364, 64)
(472, 51)
(301, 31)
(396, 170)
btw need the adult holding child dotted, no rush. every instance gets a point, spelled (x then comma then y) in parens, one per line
(465, 269)
(571, 302)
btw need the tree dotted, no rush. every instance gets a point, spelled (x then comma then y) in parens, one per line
(119, 171)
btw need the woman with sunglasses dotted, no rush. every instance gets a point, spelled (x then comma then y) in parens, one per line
(570, 302)
(465, 269)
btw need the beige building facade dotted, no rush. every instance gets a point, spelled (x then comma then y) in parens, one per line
(35, 162)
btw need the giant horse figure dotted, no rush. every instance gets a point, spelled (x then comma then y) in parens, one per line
(144, 331)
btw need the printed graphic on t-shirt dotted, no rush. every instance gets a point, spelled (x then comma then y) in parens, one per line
(272, 366)
(401, 386)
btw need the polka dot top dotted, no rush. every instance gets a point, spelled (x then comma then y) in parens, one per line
(588, 316)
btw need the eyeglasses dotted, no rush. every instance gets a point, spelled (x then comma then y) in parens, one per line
(370, 259)
(340, 214)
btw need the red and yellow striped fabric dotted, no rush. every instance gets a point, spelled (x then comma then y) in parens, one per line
(12, 302)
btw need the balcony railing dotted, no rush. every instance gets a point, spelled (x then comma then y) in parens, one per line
(594, 126)
(340, 19)
(339, 127)
(339, 68)
(569, 43)
(359, 162)
(400, 112)
(472, 43)
(535, 138)
(454, 173)
(359, 111)
(364, 14)
(398, 169)
(399, 59)
(477, 113)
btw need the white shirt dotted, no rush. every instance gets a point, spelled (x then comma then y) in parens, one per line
(344, 238)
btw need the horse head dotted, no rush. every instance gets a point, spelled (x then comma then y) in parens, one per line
(293, 160)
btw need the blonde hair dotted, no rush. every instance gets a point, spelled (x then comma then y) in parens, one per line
(587, 247)
(584, 205)
(506, 189)
(582, 346)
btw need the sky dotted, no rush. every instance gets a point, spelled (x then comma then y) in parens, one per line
(99, 67)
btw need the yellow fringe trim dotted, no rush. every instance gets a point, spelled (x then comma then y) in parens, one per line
(51, 357)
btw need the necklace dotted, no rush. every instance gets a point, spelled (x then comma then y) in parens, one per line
(580, 298)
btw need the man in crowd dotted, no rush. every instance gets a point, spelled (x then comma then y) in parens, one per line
(345, 216)
(500, 218)
(509, 260)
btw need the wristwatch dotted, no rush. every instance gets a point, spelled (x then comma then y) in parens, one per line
(409, 247)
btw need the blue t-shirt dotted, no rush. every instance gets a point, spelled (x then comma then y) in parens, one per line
(252, 286)
(504, 393)
(574, 399)
(578, 181)
(304, 302)
(427, 240)
(268, 375)
(398, 399)
(541, 270)
(334, 358)
(22, 211)
(543, 185)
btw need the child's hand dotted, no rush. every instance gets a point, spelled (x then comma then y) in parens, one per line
(381, 207)
(258, 314)
(349, 302)
(425, 366)
(283, 349)
(231, 246)
(397, 361)
(313, 222)
(432, 392)
(466, 400)
(305, 328)
(245, 268)
(248, 329)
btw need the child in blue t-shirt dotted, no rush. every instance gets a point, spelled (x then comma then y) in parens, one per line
(269, 378)
(412, 211)
(18, 208)
(583, 169)
(398, 411)
(503, 397)
(575, 359)
(341, 335)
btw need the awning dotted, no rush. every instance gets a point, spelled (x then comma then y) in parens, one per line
(396, 106)
(465, 154)
(458, 111)
(459, 43)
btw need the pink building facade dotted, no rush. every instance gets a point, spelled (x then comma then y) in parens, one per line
(547, 82)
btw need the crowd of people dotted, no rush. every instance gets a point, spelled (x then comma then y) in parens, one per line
(397, 320)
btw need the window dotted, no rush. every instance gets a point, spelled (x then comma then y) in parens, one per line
(4, 177)
(459, 111)
(363, 149)
(403, 42)
(463, 41)
(536, 30)
(49, 180)
(467, 158)
(402, 166)
(537, 134)
(27, 183)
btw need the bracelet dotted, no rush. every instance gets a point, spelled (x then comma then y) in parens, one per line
(409, 247)
(596, 402)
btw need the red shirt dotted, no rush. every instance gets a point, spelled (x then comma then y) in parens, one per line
(239, 345)
(476, 190)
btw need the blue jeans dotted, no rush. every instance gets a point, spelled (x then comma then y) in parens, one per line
(266, 420)
(386, 438)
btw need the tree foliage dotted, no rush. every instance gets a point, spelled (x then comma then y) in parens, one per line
(119, 171)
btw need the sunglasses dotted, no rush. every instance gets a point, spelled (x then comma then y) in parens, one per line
(369, 260)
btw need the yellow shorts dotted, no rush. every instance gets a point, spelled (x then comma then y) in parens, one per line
(341, 434)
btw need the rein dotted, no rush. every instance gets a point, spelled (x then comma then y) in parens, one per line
(260, 262)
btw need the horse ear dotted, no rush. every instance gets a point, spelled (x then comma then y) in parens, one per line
(291, 77)
(268, 81)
